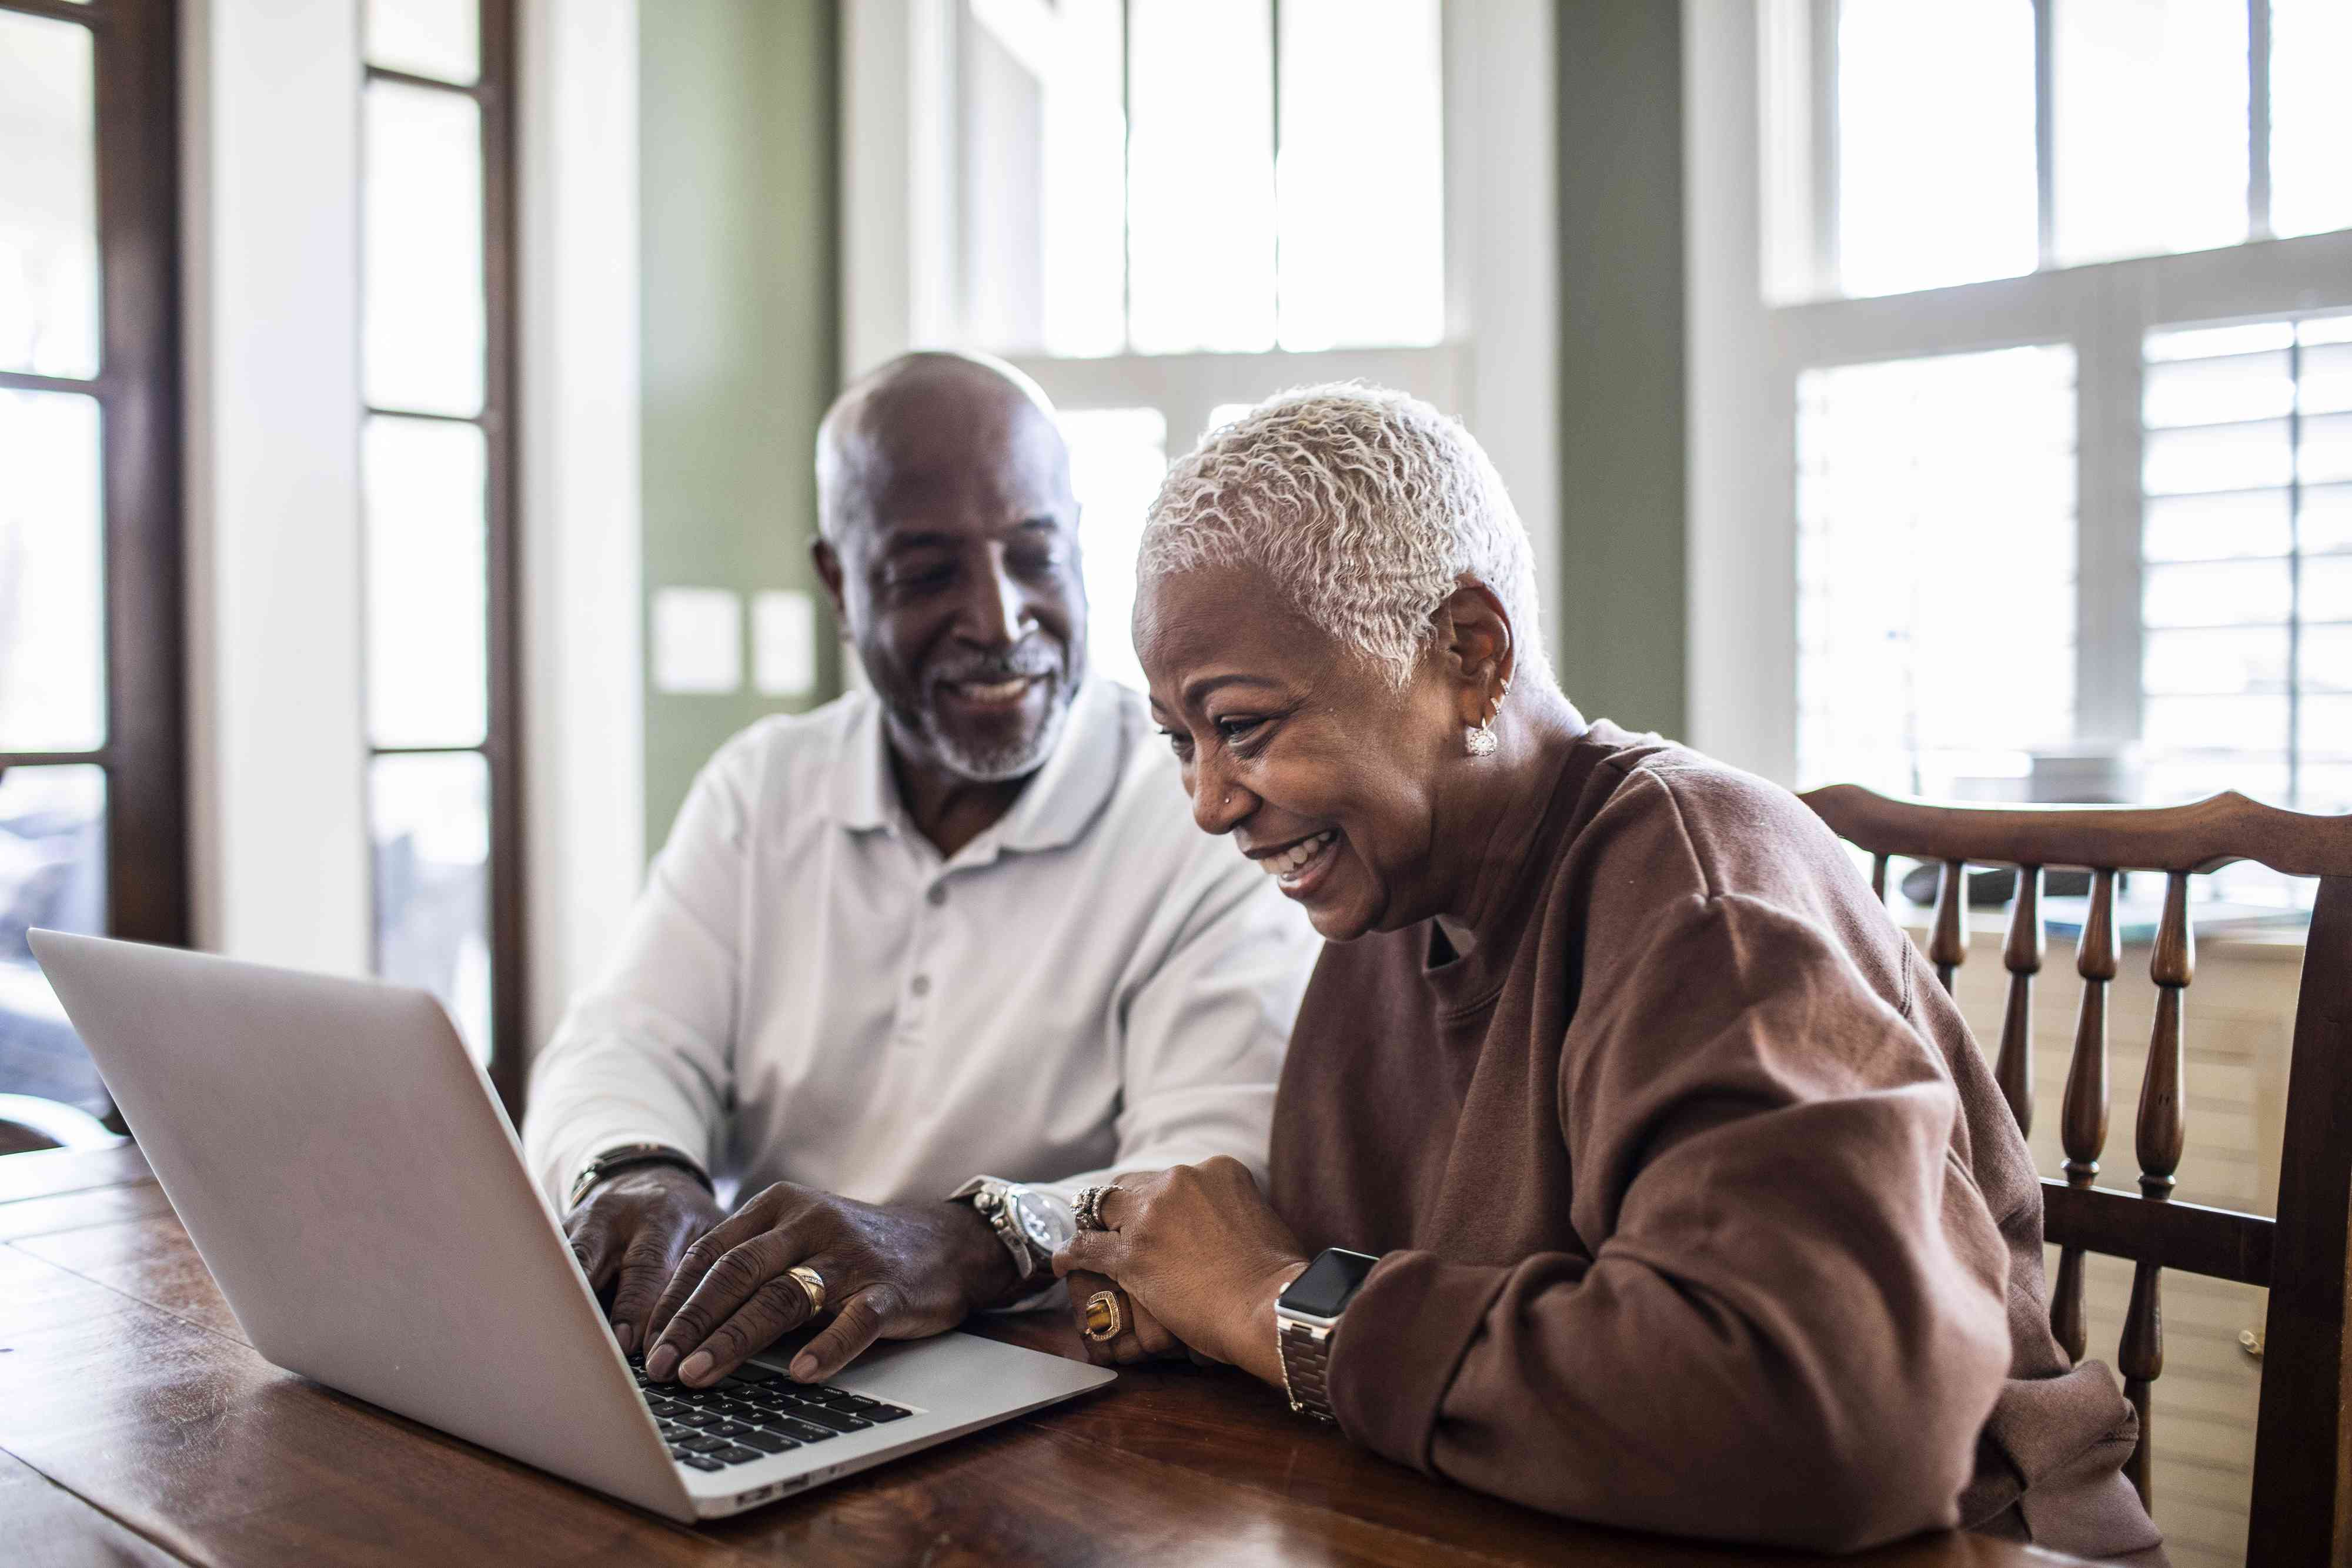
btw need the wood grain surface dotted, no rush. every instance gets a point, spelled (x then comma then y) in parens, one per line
(137, 1427)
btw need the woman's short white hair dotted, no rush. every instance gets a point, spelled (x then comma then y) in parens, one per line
(1367, 507)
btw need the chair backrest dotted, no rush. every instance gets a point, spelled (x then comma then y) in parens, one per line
(2303, 1449)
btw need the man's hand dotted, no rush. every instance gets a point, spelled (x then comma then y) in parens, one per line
(629, 1232)
(1139, 1338)
(891, 1271)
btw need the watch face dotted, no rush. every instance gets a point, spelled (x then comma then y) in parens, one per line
(1328, 1283)
(1040, 1222)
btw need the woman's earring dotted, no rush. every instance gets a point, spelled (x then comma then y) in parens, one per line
(1480, 737)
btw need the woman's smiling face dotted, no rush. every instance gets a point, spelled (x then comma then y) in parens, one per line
(1324, 773)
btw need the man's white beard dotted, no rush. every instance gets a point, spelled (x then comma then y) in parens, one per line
(1014, 761)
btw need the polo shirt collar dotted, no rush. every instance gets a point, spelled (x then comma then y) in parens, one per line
(1063, 796)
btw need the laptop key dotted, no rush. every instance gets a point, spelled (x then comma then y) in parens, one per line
(665, 1407)
(887, 1413)
(701, 1463)
(766, 1442)
(729, 1429)
(806, 1431)
(756, 1376)
(835, 1419)
(738, 1456)
(699, 1419)
(705, 1445)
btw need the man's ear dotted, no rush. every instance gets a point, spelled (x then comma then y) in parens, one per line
(827, 561)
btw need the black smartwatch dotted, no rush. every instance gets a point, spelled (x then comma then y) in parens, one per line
(1305, 1315)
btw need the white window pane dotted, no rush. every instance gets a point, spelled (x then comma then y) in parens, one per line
(52, 574)
(430, 821)
(1936, 142)
(1362, 252)
(2216, 593)
(52, 874)
(2211, 391)
(422, 301)
(428, 583)
(1118, 457)
(2248, 456)
(2193, 776)
(436, 39)
(2324, 453)
(48, 198)
(2325, 521)
(1224, 414)
(2326, 724)
(2151, 132)
(2326, 789)
(2215, 527)
(2326, 659)
(2231, 723)
(1201, 172)
(2328, 588)
(1043, 227)
(2324, 329)
(2311, 115)
(2187, 664)
(2208, 342)
(1904, 537)
(2325, 383)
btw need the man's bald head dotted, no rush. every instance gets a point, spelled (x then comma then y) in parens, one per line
(923, 411)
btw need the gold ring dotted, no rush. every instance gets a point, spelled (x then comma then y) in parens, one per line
(812, 1283)
(1102, 1316)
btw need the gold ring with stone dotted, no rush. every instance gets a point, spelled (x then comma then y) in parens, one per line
(812, 1283)
(1103, 1321)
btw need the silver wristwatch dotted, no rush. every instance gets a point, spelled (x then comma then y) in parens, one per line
(1032, 1225)
(1305, 1315)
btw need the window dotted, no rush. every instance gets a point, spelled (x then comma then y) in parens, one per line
(92, 834)
(438, 483)
(2246, 671)
(2069, 431)
(1949, 141)
(1934, 568)
(1157, 255)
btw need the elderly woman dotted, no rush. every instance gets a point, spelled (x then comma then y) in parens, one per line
(1628, 1163)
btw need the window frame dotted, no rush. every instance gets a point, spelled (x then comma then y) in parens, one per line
(138, 390)
(494, 91)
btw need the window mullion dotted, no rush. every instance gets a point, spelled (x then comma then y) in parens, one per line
(2107, 553)
(2258, 118)
(1822, 86)
(2045, 134)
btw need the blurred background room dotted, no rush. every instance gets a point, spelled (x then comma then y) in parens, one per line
(406, 411)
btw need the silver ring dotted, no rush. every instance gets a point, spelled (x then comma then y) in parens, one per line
(812, 1284)
(1088, 1209)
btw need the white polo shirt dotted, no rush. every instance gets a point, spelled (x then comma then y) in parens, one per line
(807, 992)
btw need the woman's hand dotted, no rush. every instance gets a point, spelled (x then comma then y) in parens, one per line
(1200, 1250)
(1140, 1336)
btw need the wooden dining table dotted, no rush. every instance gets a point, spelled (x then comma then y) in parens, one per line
(137, 1425)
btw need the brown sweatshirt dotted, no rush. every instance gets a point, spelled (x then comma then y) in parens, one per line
(1701, 1211)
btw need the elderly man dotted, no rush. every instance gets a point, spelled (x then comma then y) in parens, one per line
(919, 965)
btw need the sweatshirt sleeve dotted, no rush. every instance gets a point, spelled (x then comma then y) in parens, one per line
(1794, 1284)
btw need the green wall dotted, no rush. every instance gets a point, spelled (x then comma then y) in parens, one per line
(1624, 572)
(739, 329)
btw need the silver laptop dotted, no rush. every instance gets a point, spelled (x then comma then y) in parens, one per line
(345, 1172)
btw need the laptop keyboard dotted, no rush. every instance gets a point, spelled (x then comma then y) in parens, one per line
(752, 1414)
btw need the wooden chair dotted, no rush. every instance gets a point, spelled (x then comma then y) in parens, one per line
(2303, 1444)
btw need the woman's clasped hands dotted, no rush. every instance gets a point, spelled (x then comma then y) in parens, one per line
(1195, 1256)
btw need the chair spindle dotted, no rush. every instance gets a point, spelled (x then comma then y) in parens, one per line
(2083, 1128)
(2160, 1134)
(2023, 955)
(1948, 948)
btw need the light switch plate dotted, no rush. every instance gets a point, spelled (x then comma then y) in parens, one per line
(697, 641)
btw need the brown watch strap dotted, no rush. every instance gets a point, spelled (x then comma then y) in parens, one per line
(629, 1156)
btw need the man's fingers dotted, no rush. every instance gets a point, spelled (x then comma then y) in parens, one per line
(718, 1288)
(592, 1244)
(645, 1269)
(1154, 1341)
(777, 1307)
(862, 1320)
(1083, 1287)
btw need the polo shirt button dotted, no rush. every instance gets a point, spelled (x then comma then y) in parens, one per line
(938, 894)
(921, 986)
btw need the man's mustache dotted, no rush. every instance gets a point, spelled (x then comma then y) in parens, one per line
(1021, 664)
